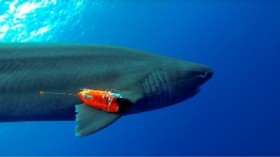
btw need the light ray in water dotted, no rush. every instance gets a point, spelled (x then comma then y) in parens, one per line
(37, 20)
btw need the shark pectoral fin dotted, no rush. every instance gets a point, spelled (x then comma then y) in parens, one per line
(90, 120)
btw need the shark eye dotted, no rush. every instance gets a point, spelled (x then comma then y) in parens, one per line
(203, 74)
(206, 74)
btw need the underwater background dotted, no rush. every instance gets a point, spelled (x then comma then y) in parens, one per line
(236, 113)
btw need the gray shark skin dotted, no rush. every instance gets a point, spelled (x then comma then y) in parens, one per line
(148, 80)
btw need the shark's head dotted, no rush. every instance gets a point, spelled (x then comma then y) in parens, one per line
(171, 82)
(186, 78)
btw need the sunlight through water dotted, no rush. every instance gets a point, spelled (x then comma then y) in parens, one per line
(37, 20)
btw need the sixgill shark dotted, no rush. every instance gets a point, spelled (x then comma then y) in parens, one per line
(145, 81)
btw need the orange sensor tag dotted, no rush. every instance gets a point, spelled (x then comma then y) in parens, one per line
(100, 99)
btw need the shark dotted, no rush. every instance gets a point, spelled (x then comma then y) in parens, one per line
(145, 80)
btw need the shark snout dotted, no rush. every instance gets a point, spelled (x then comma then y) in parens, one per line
(200, 75)
(206, 74)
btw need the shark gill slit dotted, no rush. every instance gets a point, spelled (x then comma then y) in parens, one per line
(157, 89)
(163, 84)
(165, 87)
(152, 94)
(148, 91)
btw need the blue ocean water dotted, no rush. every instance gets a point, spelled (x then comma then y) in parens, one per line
(236, 113)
